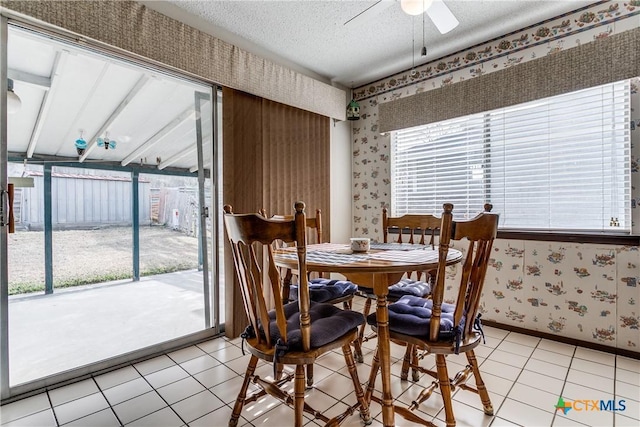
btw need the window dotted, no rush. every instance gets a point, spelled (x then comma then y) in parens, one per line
(556, 164)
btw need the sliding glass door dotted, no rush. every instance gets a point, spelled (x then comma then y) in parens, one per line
(109, 253)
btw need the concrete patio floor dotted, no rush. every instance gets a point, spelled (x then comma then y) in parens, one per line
(49, 334)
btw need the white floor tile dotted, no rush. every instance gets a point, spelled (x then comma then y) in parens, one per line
(627, 363)
(523, 339)
(337, 386)
(630, 377)
(152, 365)
(228, 390)
(591, 418)
(73, 391)
(164, 417)
(494, 383)
(214, 418)
(593, 367)
(565, 422)
(180, 390)
(197, 406)
(557, 347)
(199, 364)
(592, 381)
(631, 409)
(595, 356)
(516, 348)
(126, 391)
(213, 345)
(119, 376)
(524, 414)
(550, 369)
(551, 357)
(540, 382)
(104, 418)
(39, 419)
(507, 358)
(622, 421)
(139, 407)
(499, 422)
(628, 391)
(24, 407)
(79, 408)
(466, 416)
(227, 354)
(214, 376)
(533, 397)
(187, 353)
(166, 376)
(473, 400)
(496, 333)
(500, 369)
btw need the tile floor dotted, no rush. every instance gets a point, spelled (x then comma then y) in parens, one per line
(196, 386)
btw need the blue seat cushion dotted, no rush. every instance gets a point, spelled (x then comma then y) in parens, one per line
(411, 315)
(409, 287)
(323, 290)
(404, 287)
(328, 323)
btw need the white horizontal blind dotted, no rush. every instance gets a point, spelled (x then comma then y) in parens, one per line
(561, 163)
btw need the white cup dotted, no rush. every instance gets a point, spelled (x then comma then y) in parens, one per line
(360, 244)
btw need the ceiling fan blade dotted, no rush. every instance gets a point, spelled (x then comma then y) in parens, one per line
(370, 12)
(442, 17)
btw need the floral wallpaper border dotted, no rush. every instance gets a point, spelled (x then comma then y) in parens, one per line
(550, 30)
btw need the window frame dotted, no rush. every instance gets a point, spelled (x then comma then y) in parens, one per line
(606, 235)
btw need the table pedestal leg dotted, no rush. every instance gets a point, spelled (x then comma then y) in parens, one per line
(384, 352)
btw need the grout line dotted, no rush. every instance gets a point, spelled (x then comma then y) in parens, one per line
(106, 400)
(55, 417)
(564, 383)
(161, 397)
(496, 412)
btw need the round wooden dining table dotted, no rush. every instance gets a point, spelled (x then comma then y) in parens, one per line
(382, 266)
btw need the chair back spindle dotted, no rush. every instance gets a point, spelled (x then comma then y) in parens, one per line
(421, 229)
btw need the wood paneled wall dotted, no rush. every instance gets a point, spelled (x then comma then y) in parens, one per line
(273, 156)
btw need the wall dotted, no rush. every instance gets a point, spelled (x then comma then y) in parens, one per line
(582, 291)
(339, 180)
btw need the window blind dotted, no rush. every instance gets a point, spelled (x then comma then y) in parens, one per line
(555, 164)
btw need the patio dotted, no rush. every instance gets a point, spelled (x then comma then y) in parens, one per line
(71, 328)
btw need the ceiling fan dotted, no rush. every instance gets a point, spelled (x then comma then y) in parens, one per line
(437, 11)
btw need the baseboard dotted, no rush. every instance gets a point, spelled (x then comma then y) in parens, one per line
(566, 340)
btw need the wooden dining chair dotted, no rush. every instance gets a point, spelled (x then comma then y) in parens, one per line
(441, 328)
(411, 229)
(294, 333)
(321, 289)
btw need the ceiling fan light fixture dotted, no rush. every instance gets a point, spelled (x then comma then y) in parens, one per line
(415, 7)
(13, 101)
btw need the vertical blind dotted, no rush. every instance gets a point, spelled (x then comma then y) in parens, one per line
(555, 164)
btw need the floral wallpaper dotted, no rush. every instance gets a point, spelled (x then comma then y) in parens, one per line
(587, 292)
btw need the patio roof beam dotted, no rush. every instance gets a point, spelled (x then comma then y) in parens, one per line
(56, 71)
(171, 160)
(130, 95)
(30, 79)
(151, 142)
(205, 163)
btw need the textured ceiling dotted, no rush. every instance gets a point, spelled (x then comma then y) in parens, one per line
(311, 36)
